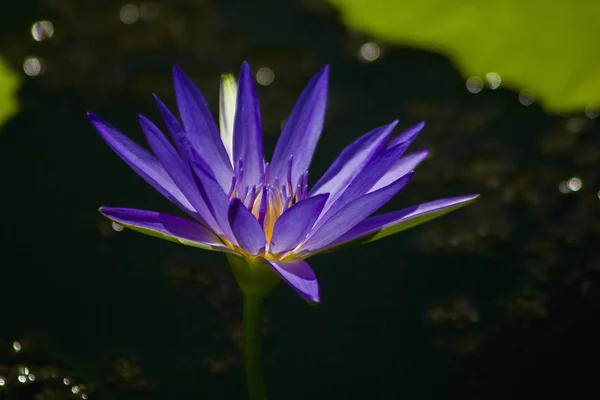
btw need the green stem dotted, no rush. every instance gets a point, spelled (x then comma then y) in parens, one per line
(252, 347)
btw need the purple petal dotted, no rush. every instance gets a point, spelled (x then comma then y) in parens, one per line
(174, 127)
(407, 136)
(246, 228)
(177, 133)
(380, 226)
(177, 170)
(302, 129)
(300, 276)
(402, 167)
(351, 215)
(185, 149)
(142, 162)
(213, 194)
(200, 127)
(247, 131)
(166, 227)
(352, 160)
(364, 181)
(295, 223)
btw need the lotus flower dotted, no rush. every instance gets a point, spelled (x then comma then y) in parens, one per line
(263, 215)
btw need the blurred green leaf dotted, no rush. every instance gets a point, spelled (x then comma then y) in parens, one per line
(9, 84)
(550, 49)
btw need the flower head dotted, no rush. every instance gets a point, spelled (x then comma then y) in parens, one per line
(264, 215)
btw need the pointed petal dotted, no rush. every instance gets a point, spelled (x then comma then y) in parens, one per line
(177, 170)
(351, 161)
(407, 136)
(246, 228)
(209, 188)
(300, 276)
(200, 127)
(247, 136)
(351, 215)
(402, 167)
(227, 100)
(174, 127)
(380, 226)
(302, 129)
(295, 223)
(364, 181)
(142, 162)
(184, 147)
(214, 196)
(166, 227)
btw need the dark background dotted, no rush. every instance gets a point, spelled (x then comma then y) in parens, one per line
(498, 300)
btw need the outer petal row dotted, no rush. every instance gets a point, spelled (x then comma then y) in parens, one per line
(400, 168)
(178, 170)
(380, 226)
(349, 216)
(142, 162)
(351, 161)
(364, 181)
(296, 273)
(165, 226)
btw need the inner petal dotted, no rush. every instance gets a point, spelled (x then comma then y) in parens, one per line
(268, 200)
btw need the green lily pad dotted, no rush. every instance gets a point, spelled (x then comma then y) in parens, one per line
(9, 84)
(548, 49)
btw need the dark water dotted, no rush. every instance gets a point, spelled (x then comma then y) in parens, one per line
(498, 300)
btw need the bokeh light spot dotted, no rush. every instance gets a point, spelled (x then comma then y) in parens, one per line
(574, 184)
(129, 14)
(42, 30)
(369, 52)
(32, 66)
(265, 76)
(474, 84)
(563, 188)
(493, 80)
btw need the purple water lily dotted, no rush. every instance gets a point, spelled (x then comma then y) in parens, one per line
(264, 215)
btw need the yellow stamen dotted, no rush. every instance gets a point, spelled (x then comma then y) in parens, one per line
(256, 205)
(270, 219)
(279, 203)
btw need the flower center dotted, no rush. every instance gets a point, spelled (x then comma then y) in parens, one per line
(268, 200)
